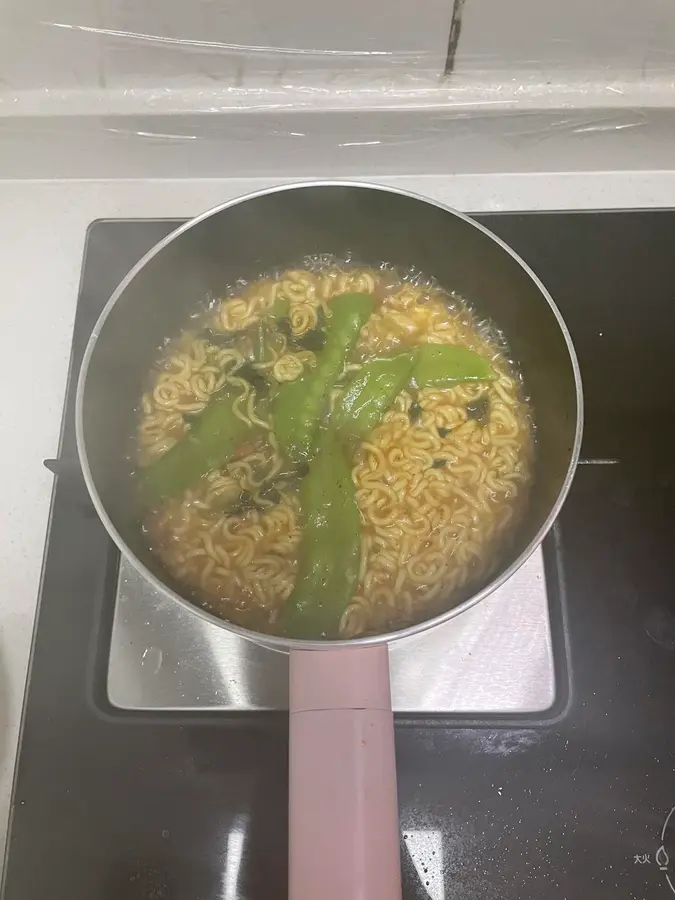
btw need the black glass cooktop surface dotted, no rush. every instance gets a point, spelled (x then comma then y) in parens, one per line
(572, 802)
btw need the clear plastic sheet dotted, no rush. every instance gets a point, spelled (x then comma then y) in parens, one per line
(161, 45)
(95, 87)
(358, 145)
(79, 56)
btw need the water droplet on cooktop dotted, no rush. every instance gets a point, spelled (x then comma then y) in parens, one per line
(152, 659)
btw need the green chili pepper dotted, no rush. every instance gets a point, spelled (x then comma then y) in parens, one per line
(211, 440)
(374, 387)
(330, 546)
(369, 393)
(442, 365)
(300, 404)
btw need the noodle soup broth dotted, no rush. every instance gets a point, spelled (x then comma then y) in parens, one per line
(438, 481)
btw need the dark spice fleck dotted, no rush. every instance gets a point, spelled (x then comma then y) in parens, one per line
(257, 381)
(479, 410)
(415, 413)
(313, 340)
(284, 326)
(438, 463)
(244, 504)
(443, 432)
(271, 494)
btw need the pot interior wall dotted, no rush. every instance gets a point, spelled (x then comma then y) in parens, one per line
(277, 230)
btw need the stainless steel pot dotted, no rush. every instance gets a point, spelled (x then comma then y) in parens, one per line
(343, 825)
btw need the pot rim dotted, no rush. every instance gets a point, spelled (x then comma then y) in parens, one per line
(274, 642)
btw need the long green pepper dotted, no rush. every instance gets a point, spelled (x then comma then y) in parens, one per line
(299, 405)
(444, 365)
(330, 546)
(369, 394)
(331, 538)
(211, 441)
(371, 391)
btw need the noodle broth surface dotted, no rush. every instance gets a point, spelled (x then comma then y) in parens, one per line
(439, 482)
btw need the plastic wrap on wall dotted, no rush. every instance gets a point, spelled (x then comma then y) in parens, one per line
(211, 46)
(344, 88)
(357, 145)
(81, 56)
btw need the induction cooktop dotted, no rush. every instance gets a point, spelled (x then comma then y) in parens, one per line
(535, 734)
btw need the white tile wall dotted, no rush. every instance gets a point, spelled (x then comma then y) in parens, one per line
(121, 43)
(112, 44)
(35, 52)
(555, 39)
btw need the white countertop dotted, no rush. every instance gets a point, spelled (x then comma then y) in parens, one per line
(42, 231)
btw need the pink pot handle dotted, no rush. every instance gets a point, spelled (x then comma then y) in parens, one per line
(343, 807)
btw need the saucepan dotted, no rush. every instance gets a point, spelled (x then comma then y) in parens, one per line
(343, 817)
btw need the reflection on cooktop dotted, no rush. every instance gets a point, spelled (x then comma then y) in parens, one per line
(494, 658)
